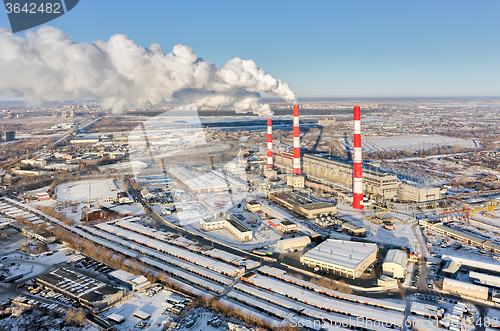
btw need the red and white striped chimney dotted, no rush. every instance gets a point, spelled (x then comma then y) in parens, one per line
(357, 166)
(296, 141)
(269, 143)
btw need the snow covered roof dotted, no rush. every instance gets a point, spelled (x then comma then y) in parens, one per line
(293, 242)
(452, 283)
(484, 278)
(140, 280)
(347, 254)
(122, 275)
(396, 256)
(474, 261)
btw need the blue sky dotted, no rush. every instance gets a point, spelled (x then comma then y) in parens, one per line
(321, 48)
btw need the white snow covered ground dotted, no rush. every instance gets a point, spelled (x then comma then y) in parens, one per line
(79, 191)
(149, 305)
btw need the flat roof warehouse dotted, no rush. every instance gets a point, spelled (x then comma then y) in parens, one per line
(86, 290)
(343, 253)
(346, 258)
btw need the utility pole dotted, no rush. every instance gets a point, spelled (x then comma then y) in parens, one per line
(90, 196)
(26, 233)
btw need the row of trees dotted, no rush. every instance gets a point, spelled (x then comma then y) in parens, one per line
(52, 213)
(443, 150)
(226, 311)
(339, 286)
(75, 316)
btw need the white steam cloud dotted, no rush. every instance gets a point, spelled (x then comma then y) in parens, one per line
(47, 65)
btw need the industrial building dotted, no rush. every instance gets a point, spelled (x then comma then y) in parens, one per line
(450, 269)
(339, 174)
(346, 258)
(465, 289)
(128, 280)
(292, 244)
(38, 163)
(287, 225)
(199, 182)
(30, 231)
(253, 206)
(353, 229)
(295, 181)
(226, 221)
(395, 263)
(153, 179)
(386, 281)
(415, 192)
(462, 236)
(327, 122)
(88, 291)
(484, 279)
(10, 135)
(474, 262)
(84, 140)
(302, 204)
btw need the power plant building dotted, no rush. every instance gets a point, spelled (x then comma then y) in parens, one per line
(346, 258)
(339, 174)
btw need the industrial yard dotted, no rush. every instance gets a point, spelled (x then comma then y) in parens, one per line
(275, 236)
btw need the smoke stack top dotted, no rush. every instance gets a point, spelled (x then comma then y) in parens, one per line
(48, 66)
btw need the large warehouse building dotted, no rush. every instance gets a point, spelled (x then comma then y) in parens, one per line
(88, 291)
(395, 263)
(199, 182)
(465, 289)
(346, 258)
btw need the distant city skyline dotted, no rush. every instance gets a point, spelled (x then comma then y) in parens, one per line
(322, 49)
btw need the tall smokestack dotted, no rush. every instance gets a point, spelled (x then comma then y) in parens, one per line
(296, 141)
(357, 166)
(269, 143)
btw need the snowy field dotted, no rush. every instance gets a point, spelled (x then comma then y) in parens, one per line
(150, 305)
(412, 143)
(79, 191)
(402, 235)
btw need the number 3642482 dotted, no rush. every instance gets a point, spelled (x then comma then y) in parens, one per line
(33, 8)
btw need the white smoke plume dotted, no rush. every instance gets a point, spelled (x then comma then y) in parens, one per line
(48, 66)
